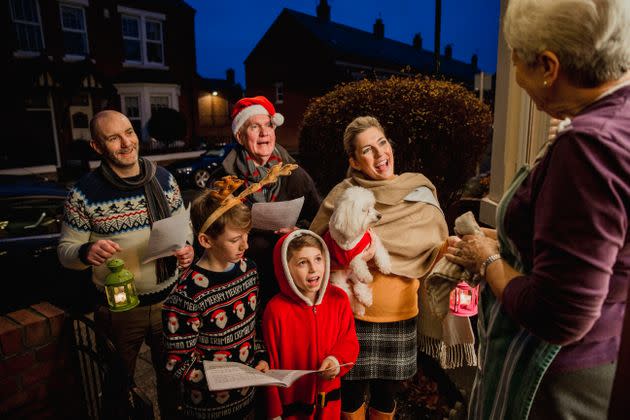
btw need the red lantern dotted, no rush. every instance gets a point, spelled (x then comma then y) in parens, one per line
(464, 300)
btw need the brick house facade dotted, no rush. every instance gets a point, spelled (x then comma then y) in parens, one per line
(68, 59)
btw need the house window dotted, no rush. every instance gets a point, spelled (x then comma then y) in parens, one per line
(74, 30)
(158, 102)
(155, 48)
(26, 21)
(279, 92)
(131, 38)
(143, 36)
(131, 105)
(140, 100)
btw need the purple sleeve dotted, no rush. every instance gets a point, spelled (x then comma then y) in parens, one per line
(579, 227)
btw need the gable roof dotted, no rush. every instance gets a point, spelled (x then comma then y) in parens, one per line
(355, 45)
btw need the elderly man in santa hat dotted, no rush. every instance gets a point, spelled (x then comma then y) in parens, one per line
(254, 123)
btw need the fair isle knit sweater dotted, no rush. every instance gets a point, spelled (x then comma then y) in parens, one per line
(95, 210)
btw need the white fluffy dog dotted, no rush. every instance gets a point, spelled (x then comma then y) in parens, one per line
(347, 238)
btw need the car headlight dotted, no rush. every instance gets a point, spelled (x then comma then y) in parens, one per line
(186, 170)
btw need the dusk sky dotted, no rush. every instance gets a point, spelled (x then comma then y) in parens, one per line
(228, 30)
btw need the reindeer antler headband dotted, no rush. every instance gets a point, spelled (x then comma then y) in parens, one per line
(228, 184)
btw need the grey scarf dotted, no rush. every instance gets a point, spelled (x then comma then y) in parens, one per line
(157, 206)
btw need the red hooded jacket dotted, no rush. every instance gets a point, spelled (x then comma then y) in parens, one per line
(300, 334)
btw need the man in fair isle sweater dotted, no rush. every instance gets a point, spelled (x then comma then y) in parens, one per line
(109, 213)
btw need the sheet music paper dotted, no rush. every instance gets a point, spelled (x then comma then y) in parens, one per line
(277, 214)
(167, 236)
(232, 375)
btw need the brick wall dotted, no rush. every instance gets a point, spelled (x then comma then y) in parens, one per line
(36, 376)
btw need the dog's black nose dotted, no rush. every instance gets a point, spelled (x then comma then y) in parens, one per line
(378, 216)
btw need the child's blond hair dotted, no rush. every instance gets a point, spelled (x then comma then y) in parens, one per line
(238, 217)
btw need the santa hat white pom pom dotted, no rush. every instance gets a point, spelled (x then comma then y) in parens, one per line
(278, 119)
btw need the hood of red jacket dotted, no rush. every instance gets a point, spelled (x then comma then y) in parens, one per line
(283, 275)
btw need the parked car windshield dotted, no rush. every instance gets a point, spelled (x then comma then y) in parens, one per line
(30, 216)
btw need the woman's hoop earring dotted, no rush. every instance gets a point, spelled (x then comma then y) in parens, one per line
(544, 83)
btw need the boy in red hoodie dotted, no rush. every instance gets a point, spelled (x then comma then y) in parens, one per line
(308, 325)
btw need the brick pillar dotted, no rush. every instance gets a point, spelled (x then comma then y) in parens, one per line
(36, 375)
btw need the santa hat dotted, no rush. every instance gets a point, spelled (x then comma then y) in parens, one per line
(225, 353)
(237, 304)
(217, 314)
(248, 107)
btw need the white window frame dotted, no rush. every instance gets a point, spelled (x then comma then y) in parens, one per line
(29, 53)
(145, 91)
(76, 4)
(520, 129)
(143, 16)
(153, 41)
(123, 103)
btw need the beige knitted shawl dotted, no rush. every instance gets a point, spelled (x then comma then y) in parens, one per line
(412, 232)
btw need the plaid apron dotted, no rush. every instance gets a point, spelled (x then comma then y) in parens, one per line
(512, 361)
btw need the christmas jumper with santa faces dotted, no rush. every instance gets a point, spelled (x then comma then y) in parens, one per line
(212, 316)
(300, 334)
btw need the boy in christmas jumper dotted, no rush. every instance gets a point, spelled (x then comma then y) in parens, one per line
(308, 325)
(211, 314)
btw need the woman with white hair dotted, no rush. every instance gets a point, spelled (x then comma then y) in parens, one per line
(558, 267)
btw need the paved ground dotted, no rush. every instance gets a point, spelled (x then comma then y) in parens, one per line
(145, 377)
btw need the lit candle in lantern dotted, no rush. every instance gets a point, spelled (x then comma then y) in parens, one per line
(120, 296)
(119, 287)
(465, 299)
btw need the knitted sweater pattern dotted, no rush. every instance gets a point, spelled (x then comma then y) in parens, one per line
(95, 210)
(212, 316)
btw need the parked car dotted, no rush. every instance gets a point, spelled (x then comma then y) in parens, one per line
(195, 172)
(31, 212)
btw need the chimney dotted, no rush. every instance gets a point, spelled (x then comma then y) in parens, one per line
(474, 61)
(379, 29)
(448, 52)
(417, 42)
(229, 76)
(323, 11)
